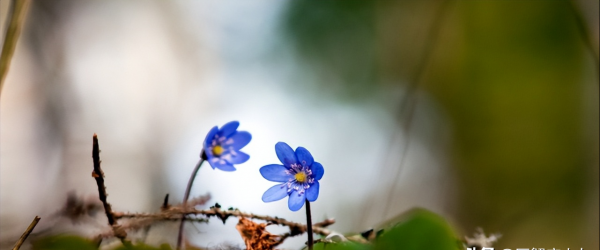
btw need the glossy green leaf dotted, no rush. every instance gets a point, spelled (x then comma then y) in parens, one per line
(418, 230)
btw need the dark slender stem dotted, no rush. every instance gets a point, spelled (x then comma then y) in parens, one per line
(309, 230)
(191, 181)
(98, 175)
(26, 233)
(185, 198)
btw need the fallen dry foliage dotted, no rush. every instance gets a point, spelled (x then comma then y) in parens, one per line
(255, 235)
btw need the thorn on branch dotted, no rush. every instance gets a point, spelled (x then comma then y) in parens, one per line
(165, 205)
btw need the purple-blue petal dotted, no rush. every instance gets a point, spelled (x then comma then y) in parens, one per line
(312, 193)
(227, 167)
(296, 200)
(229, 128)
(209, 156)
(275, 193)
(239, 140)
(317, 170)
(275, 172)
(208, 153)
(285, 154)
(304, 156)
(238, 158)
(210, 136)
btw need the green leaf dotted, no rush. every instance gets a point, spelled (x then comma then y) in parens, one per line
(418, 230)
(341, 246)
(64, 242)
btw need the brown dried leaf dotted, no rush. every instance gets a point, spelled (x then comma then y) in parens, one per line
(255, 236)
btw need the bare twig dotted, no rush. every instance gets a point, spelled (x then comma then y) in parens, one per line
(176, 212)
(99, 177)
(144, 221)
(18, 11)
(26, 233)
(319, 225)
(223, 215)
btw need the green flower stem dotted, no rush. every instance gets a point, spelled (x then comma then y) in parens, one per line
(309, 226)
(187, 196)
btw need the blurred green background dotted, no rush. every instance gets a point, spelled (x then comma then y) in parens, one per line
(518, 81)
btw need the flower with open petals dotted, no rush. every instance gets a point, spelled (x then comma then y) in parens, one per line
(222, 146)
(299, 176)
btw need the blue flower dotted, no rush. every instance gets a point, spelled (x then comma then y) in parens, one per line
(299, 175)
(222, 146)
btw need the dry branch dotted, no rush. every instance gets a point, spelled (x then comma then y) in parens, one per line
(26, 233)
(98, 175)
(177, 211)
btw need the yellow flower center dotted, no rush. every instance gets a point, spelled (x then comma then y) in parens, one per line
(217, 150)
(300, 177)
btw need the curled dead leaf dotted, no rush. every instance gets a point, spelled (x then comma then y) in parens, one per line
(255, 235)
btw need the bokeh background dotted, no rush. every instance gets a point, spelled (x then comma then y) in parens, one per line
(485, 112)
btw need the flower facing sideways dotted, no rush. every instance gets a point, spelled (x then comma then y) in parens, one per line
(299, 176)
(222, 146)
